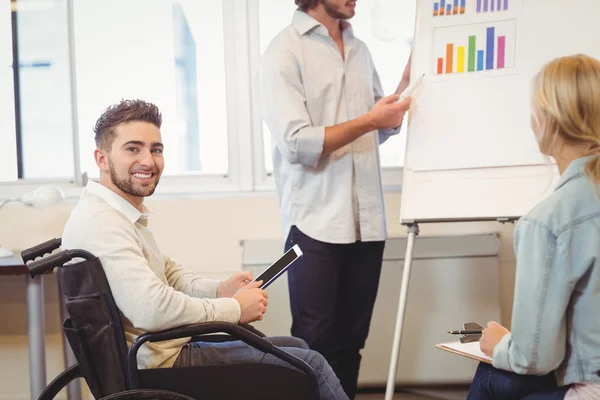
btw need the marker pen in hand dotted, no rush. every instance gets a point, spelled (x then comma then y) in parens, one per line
(411, 88)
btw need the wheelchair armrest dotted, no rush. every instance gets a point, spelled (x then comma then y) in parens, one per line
(236, 331)
(253, 330)
(34, 252)
(220, 337)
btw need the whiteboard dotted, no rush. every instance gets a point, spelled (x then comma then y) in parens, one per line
(470, 152)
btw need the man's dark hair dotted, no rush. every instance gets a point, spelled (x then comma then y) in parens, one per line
(124, 111)
(305, 5)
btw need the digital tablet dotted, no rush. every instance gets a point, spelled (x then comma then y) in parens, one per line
(269, 275)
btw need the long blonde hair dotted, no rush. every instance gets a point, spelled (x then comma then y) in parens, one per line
(566, 102)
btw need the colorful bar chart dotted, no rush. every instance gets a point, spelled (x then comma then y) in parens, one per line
(449, 7)
(474, 47)
(491, 5)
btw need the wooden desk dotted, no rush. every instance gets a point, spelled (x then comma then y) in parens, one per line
(12, 266)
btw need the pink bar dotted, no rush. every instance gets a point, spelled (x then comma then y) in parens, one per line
(501, 50)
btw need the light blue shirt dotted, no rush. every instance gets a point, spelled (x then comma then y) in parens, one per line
(556, 312)
(305, 86)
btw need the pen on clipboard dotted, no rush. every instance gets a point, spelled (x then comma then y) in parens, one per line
(466, 332)
(411, 88)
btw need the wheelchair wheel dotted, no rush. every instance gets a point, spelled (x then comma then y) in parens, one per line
(147, 394)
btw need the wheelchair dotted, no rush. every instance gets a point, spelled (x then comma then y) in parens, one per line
(95, 334)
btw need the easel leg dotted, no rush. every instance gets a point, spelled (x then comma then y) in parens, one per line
(413, 231)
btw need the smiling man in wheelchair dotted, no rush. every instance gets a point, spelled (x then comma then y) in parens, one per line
(152, 291)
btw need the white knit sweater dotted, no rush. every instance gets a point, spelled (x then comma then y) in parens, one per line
(151, 290)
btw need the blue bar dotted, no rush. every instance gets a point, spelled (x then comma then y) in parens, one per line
(479, 60)
(436, 7)
(489, 48)
(442, 4)
(462, 3)
(455, 3)
(449, 9)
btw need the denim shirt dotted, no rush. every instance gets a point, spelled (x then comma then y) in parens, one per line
(556, 311)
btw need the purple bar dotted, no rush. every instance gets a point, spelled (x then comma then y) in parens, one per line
(478, 5)
(499, 7)
(501, 50)
(506, 4)
(489, 48)
(492, 5)
(485, 5)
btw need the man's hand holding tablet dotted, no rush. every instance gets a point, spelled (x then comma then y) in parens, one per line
(252, 298)
(269, 275)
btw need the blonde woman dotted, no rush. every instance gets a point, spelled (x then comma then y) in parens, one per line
(553, 351)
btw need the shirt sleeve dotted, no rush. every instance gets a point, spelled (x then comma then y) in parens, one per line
(283, 105)
(536, 344)
(188, 282)
(144, 299)
(378, 94)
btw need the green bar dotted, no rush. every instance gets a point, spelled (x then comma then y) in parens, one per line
(471, 66)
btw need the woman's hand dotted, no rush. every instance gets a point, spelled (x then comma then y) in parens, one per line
(491, 336)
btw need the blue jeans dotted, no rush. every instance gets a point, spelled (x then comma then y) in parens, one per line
(332, 294)
(490, 383)
(237, 352)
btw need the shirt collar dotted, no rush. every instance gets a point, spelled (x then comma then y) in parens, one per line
(118, 203)
(574, 170)
(305, 23)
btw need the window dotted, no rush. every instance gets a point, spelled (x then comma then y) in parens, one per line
(168, 52)
(42, 79)
(195, 59)
(8, 145)
(386, 26)
(45, 93)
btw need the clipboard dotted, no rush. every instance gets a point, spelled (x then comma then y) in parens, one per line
(470, 350)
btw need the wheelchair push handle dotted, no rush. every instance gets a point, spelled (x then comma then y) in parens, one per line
(47, 264)
(40, 250)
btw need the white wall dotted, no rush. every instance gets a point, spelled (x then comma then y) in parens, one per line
(203, 234)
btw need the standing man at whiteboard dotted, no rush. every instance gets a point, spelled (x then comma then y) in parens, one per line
(322, 99)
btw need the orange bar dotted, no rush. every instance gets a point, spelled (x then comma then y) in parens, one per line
(449, 60)
(440, 69)
(442, 11)
(435, 13)
(455, 10)
(462, 10)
